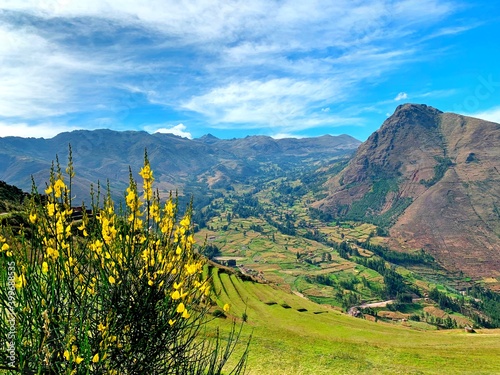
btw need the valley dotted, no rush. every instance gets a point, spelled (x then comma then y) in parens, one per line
(273, 236)
(292, 335)
(318, 241)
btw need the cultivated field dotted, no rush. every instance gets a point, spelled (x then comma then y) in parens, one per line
(292, 335)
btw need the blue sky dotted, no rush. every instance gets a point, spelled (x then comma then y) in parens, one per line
(234, 68)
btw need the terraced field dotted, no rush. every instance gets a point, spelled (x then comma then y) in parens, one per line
(292, 335)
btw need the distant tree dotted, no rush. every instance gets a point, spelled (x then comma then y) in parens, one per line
(211, 251)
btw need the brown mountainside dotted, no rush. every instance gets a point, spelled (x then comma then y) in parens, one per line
(434, 179)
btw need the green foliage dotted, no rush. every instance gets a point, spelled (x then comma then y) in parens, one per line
(210, 251)
(414, 317)
(349, 300)
(373, 200)
(404, 298)
(381, 232)
(115, 293)
(219, 313)
(394, 283)
(246, 206)
(443, 163)
(286, 228)
(257, 228)
(487, 302)
(11, 197)
(398, 257)
(389, 217)
(322, 215)
(367, 208)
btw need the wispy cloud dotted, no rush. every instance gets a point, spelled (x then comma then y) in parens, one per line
(46, 130)
(273, 102)
(401, 96)
(492, 115)
(250, 64)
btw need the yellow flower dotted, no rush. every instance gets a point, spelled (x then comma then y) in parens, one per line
(95, 358)
(59, 187)
(130, 198)
(66, 354)
(19, 281)
(226, 307)
(181, 308)
(52, 253)
(171, 322)
(176, 295)
(185, 222)
(51, 209)
(191, 268)
(5, 247)
(185, 314)
(45, 267)
(111, 279)
(33, 218)
(150, 282)
(78, 360)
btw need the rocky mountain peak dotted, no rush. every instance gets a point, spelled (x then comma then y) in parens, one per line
(429, 176)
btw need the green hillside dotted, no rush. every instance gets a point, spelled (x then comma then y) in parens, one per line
(270, 233)
(292, 335)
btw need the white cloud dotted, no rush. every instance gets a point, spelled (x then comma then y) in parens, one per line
(285, 135)
(492, 114)
(41, 78)
(24, 130)
(179, 130)
(262, 62)
(274, 103)
(436, 93)
(401, 96)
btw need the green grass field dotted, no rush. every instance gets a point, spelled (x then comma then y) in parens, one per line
(307, 338)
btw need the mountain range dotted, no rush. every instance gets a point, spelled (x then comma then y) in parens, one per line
(178, 163)
(431, 179)
(434, 179)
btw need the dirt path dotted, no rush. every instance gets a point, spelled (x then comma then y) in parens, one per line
(299, 294)
(376, 304)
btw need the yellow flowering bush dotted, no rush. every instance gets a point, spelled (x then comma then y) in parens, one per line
(110, 293)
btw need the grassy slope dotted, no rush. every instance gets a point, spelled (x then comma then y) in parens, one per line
(286, 341)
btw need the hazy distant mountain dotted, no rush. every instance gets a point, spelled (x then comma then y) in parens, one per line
(177, 162)
(434, 178)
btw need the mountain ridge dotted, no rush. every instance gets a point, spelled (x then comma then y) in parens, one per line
(103, 154)
(432, 178)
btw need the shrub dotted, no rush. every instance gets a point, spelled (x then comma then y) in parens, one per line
(219, 314)
(114, 293)
(414, 317)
